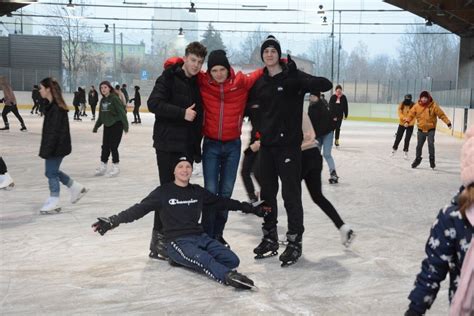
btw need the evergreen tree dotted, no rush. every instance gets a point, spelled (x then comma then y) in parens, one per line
(212, 39)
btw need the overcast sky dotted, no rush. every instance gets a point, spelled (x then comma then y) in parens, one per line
(297, 43)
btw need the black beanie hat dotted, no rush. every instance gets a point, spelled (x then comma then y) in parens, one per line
(270, 41)
(183, 158)
(217, 57)
(408, 97)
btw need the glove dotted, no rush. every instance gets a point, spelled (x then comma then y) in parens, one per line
(411, 312)
(449, 125)
(291, 64)
(260, 208)
(105, 223)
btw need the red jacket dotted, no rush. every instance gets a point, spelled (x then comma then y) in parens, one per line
(224, 104)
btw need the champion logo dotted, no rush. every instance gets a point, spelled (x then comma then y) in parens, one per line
(280, 89)
(176, 201)
(287, 160)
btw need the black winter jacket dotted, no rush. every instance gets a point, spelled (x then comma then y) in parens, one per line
(137, 99)
(280, 99)
(55, 136)
(321, 118)
(93, 98)
(172, 95)
(341, 109)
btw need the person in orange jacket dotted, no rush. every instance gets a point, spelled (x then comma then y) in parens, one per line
(403, 110)
(426, 111)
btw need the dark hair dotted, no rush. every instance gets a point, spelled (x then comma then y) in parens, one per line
(55, 88)
(107, 83)
(466, 199)
(35, 86)
(338, 87)
(117, 86)
(137, 88)
(124, 85)
(197, 49)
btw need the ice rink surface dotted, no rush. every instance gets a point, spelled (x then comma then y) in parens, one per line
(55, 264)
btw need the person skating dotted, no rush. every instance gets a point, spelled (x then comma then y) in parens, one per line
(6, 181)
(177, 105)
(324, 122)
(55, 145)
(114, 118)
(280, 96)
(448, 246)
(125, 92)
(82, 102)
(76, 102)
(426, 111)
(118, 91)
(35, 96)
(403, 109)
(9, 102)
(137, 101)
(338, 105)
(93, 99)
(180, 205)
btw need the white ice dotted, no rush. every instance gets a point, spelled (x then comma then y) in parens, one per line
(55, 264)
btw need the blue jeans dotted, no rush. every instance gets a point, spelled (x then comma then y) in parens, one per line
(203, 254)
(220, 161)
(326, 142)
(55, 175)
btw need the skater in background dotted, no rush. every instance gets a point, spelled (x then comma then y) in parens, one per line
(186, 242)
(338, 105)
(114, 118)
(426, 111)
(93, 99)
(250, 161)
(9, 102)
(448, 246)
(55, 145)
(35, 96)
(324, 122)
(82, 102)
(177, 105)
(76, 102)
(119, 93)
(403, 110)
(311, 167)
(125, 92)
(280, 96)
(6, 181)
(137, 101)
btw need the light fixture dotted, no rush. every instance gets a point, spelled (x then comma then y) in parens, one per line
(428, 22)
(106, 28)
(181, 33)
(192, 9)
(70, 5)
(325, 20)
(320, 11)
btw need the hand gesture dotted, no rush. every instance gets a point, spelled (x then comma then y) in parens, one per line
(260, 208)
(255, 146)
(104, 224)
(190, 114)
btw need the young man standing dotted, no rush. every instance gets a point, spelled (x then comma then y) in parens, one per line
(280, 97)
(176, 103)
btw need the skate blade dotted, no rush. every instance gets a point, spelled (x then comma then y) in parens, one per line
(264, 256)
(288, 263)
(250, 286)
(49, 212)
(9, 187)
(83, 192)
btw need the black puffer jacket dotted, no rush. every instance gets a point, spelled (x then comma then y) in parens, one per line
(339, 109)
(172, 94)
(55, 136)
(321, 118)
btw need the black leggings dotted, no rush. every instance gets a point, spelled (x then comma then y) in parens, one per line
(401, 129)
(35, 107)
(77, 112)
(93, 109)
(111, 141)
(12, 108)
(312, 165)
(338, 128)
(249, 167)
(136, 113)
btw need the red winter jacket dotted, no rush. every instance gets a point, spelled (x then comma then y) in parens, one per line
(224, 104)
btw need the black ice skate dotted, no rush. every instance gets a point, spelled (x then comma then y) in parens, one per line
(432, 164)
(239, 281)
(334, 177)
(416, 162)
(292, 252)
(157, 246)
(268, 247)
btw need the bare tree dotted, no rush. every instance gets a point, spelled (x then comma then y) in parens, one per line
(248, 46)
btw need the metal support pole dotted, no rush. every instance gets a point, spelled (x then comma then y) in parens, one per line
(332, 42)
(115, 55)
(340, 47)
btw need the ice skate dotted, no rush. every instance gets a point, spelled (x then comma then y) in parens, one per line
(115, 170)
(77, 191)
(347, 235)
(157, 246)
(405, 155)
(101, 170)
(268, 247)
(239, 281)
(51, 206)
(416, 162)
(292, 252)
(5, 128)
(432, 164)
(6, 182)
(197, 169)
(23, 129)
(336, 142)
(334, 178)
